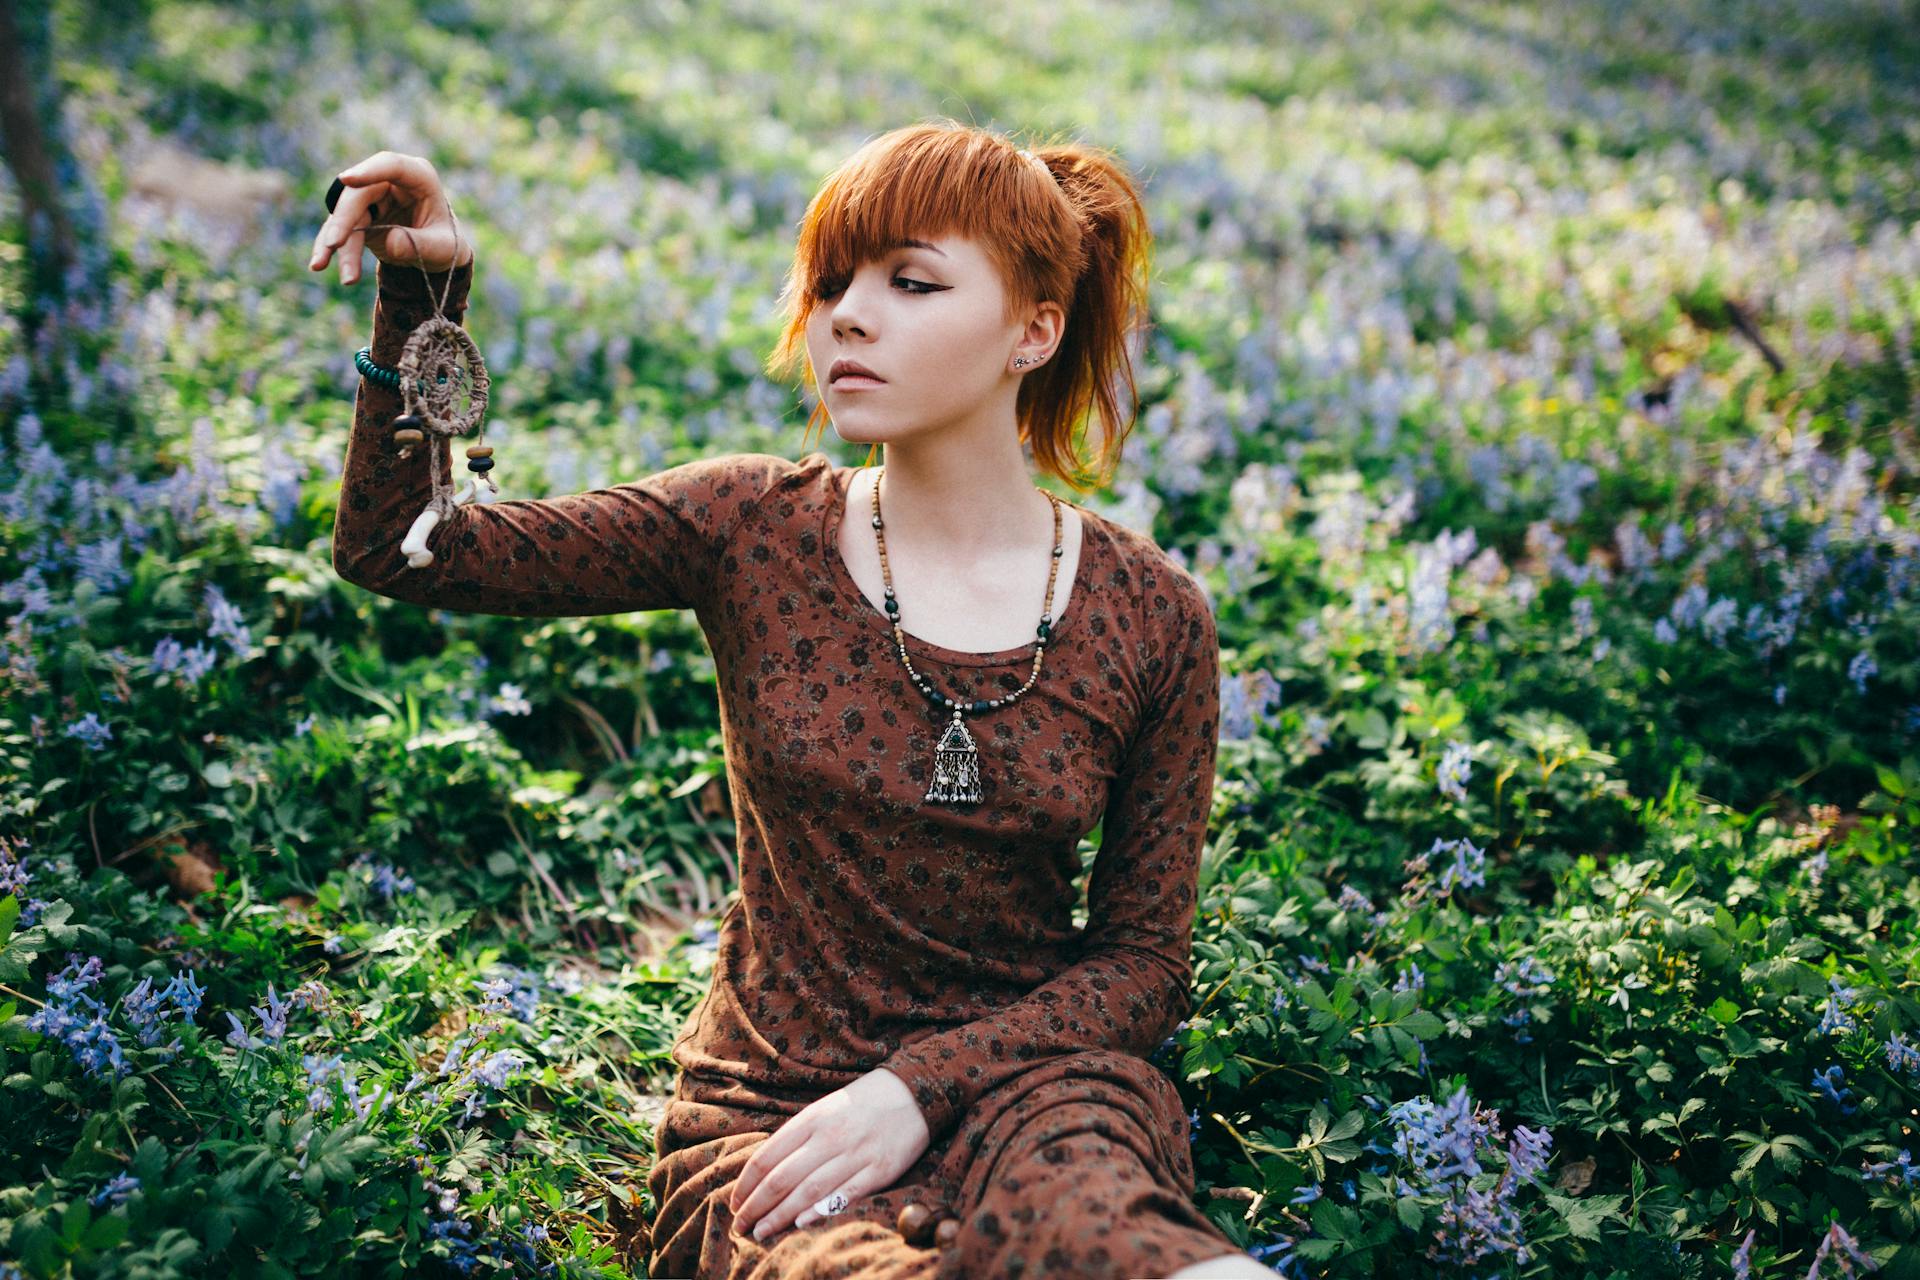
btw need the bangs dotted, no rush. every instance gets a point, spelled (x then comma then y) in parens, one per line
(920, 184)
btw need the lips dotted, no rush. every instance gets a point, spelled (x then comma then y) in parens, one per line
(844, 368)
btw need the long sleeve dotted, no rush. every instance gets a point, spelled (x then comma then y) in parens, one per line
(1133, 980)
(652, 543)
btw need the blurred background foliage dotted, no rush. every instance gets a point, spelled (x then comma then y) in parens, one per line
(1533, 389)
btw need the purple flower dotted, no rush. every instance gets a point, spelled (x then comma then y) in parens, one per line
(1830, 1084)
(1279, 1256)
(1902, 1170)
(196, 662)
(91, 730)
(1902, 1056)
(1439, 1141)
(1467, 868)
(497, 1066)
(227, 623)
(1527, 1151)
(1454, 769)
(117, 1190)
(1526, 979)
(1837, 1238)
(1839, 999)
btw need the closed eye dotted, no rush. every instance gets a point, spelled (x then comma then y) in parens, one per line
(920, 287)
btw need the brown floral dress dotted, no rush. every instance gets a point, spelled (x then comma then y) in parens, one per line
(873, 928)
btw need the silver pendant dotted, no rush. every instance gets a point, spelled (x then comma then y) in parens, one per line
(956, 766)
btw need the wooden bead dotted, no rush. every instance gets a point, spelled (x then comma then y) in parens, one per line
(408, 420)
(480, 465)
(479, 451)
(915, 1223)
(407, 435)
(943, 1235)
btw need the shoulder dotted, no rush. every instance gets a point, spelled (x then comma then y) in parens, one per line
(729, 487)
(1165, 598)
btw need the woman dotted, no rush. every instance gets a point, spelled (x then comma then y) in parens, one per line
(910, 1062)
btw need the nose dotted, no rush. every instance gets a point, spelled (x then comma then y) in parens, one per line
(850, 307)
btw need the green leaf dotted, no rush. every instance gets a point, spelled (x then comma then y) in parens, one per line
(698, 779)
(107, 1232)
(1583, 1216)
(1423, 1023)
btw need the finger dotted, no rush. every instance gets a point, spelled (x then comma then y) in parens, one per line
(787, 1138)
(778, 1175)
(349, 215)
(848, 1188)
(816, 1186)
(350, 257)
(414, 179)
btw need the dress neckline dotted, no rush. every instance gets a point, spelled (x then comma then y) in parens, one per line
(840, 480)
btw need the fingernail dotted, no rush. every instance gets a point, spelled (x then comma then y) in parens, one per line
(760, 1232)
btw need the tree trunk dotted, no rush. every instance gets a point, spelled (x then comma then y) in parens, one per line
(29, 148)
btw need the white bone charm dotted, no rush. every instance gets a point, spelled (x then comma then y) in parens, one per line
(480, 489)
(414, 545)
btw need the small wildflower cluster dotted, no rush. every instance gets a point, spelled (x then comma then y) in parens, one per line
(1528, 980)
(79, 1020)
(321, 1070)
(476, 1079)
(1353, 901)
(273, 1015)
(387, 881)
(1902, 1056)
(1443, 1145)
(14, 878)
(1467, 868)
(1835, 1020)
(147, 1010)
(1455, 767)
(467, 1255)
(1848, 1257)
(1831, 1085)
(518, 993)
(93, 732)
(1902, 1171)
(116, 1191)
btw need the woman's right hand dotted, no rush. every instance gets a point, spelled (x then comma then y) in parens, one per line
(408, 193)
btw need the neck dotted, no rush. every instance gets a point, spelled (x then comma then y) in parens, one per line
(968, 500)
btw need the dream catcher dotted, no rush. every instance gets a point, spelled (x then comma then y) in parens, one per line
(443, 384)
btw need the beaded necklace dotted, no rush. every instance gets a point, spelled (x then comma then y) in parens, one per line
(956, 759)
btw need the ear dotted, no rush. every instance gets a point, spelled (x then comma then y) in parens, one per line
(1044, 329)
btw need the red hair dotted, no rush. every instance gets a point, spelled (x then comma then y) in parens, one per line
(1076, 234)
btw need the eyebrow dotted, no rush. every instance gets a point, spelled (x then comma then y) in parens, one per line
(916, 244)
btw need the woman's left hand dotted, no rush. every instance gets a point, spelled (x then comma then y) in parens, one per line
(855, 1140)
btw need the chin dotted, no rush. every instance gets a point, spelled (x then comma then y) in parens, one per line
(857, 424)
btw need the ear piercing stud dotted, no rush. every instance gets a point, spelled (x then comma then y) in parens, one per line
(1021, 362)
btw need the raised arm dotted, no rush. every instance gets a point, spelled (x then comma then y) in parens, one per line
(1134, 979)
(652, 543)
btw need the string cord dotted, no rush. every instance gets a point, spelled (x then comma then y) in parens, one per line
(440, 356)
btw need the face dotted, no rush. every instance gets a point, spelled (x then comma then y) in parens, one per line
(929, 319)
